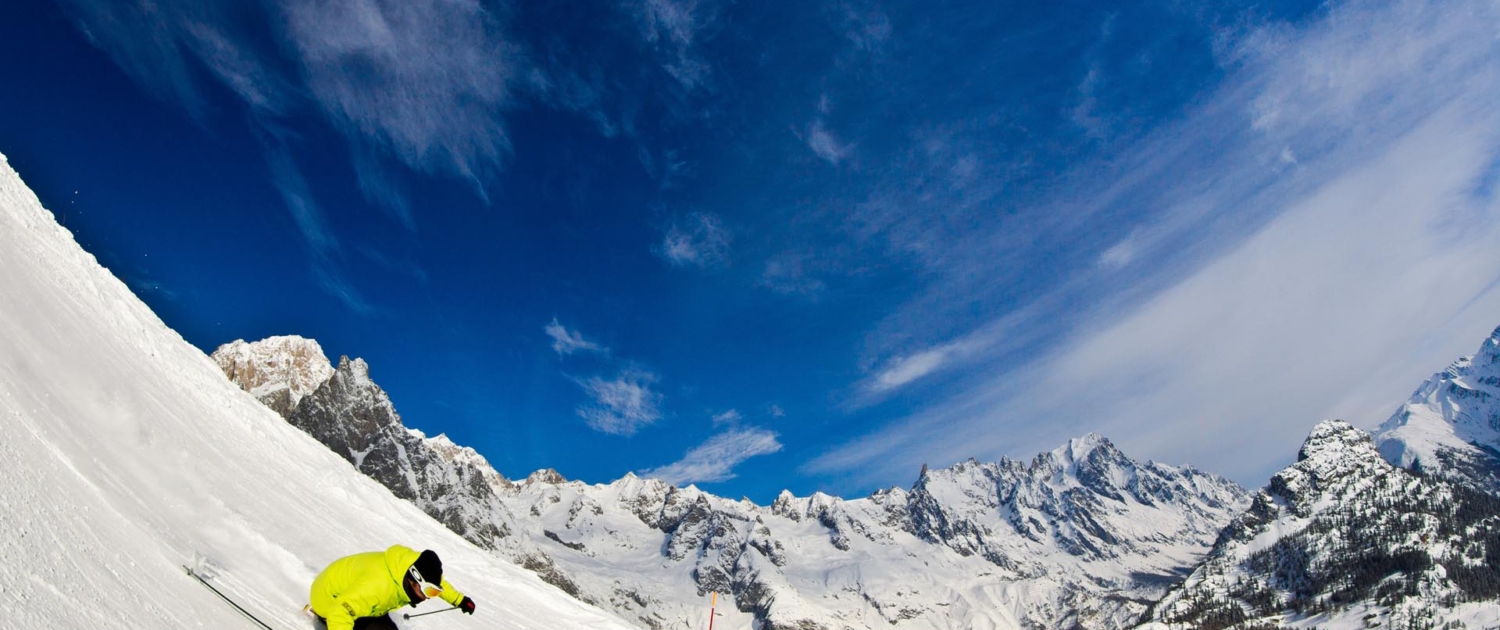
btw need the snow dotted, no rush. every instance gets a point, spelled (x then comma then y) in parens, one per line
(852, 563)
(127, 454)
(1453, 411)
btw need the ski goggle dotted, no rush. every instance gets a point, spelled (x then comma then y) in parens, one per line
(427, 589)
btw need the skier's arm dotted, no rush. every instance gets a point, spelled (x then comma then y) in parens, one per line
(450, 594)
(342, 620)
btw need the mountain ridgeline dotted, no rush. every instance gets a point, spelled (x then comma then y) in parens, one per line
(1081, 536)
(1399, 530)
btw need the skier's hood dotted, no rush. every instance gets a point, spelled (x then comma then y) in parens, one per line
(398, 559)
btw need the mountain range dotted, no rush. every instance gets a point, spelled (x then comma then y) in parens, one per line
(1081, 535)
(1398, 528)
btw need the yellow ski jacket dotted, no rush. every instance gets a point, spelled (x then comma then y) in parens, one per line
(367, 585)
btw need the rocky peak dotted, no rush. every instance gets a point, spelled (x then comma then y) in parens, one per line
(279, 371)
(1334, 441)
(784, 506)
(1080, 448)
(348, 403)
(1333, 459)
(1489, 352)
(1450, 426)
(546, 476)
(463, 456)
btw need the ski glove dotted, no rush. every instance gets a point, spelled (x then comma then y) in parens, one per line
(467, 605)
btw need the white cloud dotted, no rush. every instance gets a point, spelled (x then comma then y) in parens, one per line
(424, 79)
(716, 459)
(729, 417)
(623, 405)
(699, 240)
(1267, 297)
(1120, 254)
(824, 144)
(775, 410)
(909, 368)
(995, 337)
(566, 342)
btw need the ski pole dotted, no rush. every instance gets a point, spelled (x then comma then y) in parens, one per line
(409, 616)
(224, 597)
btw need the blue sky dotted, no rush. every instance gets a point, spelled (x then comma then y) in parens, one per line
(804, 245)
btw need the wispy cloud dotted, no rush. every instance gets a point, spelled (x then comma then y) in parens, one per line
(306, 214)
(716, 459)
(423, 82)
(566, 342)
(866, 27)
(824, 144)
(424, 79)
(1120, 254)
(789, 274)
(672, 26)
(323, 249)
(728, 417)
(623, 405)
(903, 370)
(142, 284)
(698, 240)
(1263, 293)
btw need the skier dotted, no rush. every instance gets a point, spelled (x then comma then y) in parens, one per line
(357, 592)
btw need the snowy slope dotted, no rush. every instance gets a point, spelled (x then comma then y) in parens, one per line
(1451, 425)
(126, 454)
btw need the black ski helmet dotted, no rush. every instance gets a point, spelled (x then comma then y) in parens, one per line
(430, 567)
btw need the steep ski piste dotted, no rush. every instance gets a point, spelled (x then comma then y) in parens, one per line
(126, 455)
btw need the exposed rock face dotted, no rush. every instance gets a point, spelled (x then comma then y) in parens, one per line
(354, 417)
(279, 371)
(1451, 425)
(1344, 534)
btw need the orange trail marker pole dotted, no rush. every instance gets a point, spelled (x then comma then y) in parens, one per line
(712, 603)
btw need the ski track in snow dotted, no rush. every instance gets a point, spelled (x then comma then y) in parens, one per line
(126, 454)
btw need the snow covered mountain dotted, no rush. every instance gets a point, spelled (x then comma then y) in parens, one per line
(1451, 426)
(128, 455)
(1079, 537)
(1344, 539)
